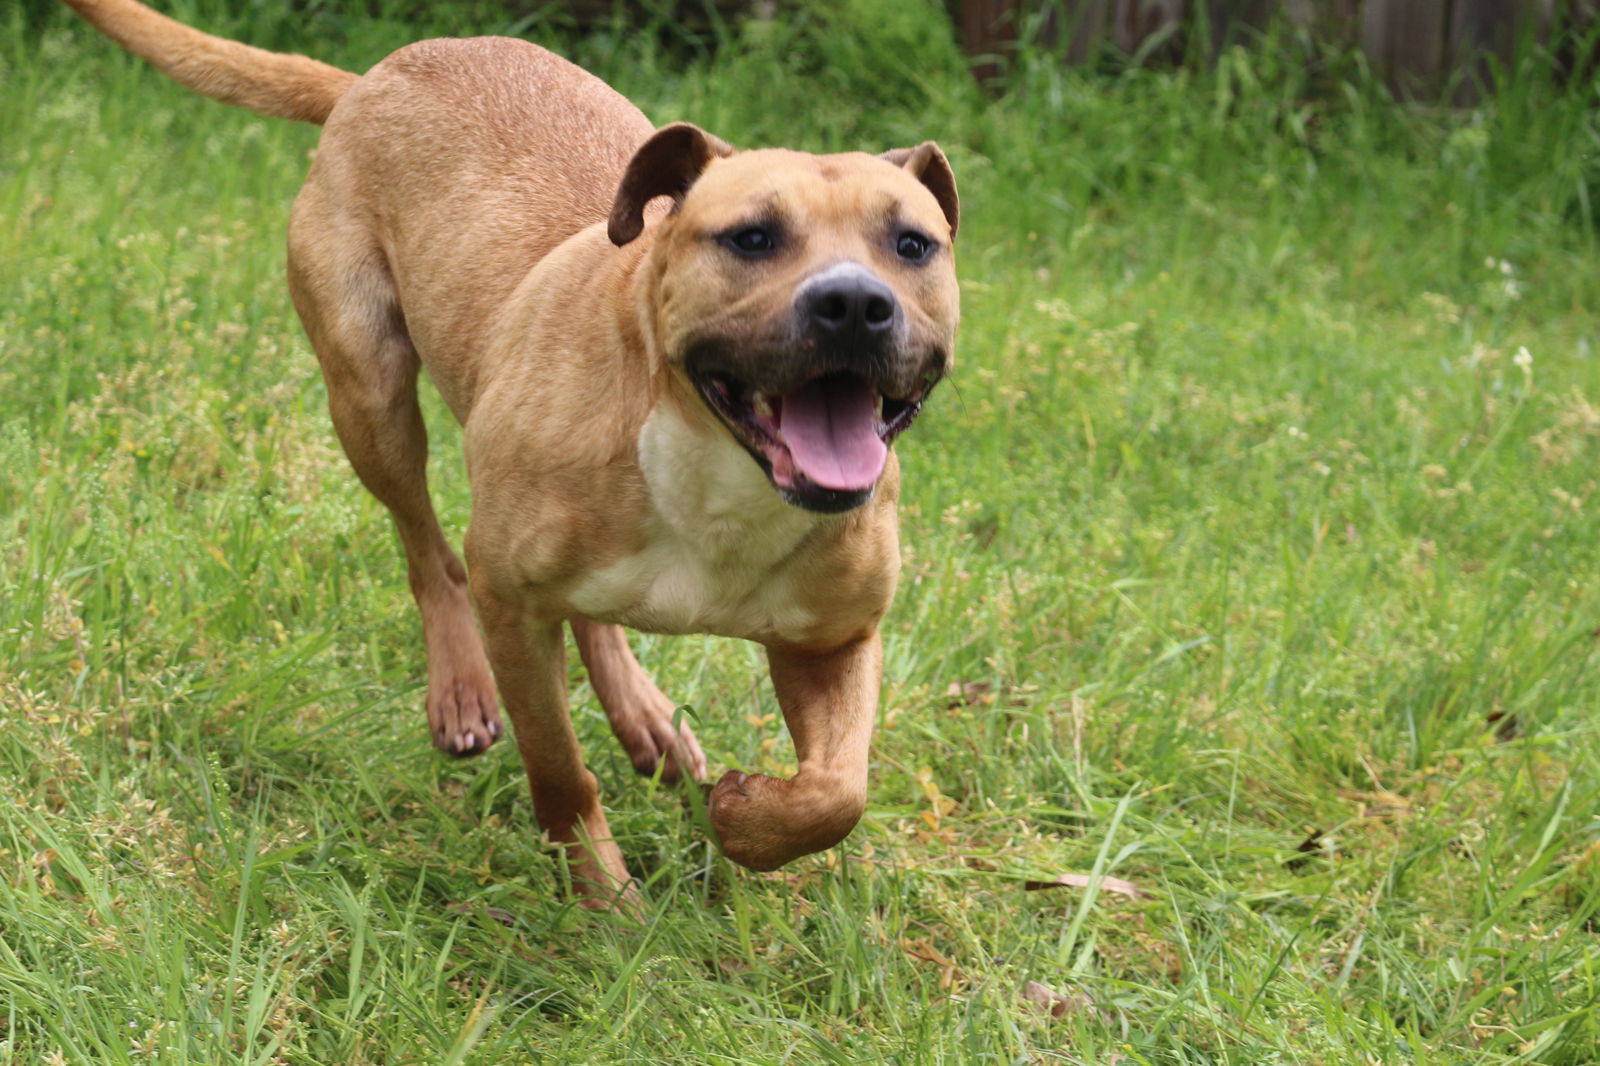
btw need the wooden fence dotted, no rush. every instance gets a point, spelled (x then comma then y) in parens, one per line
(1424, 49)
(1421, 47)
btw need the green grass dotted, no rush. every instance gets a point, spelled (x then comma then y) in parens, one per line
(1246, 561)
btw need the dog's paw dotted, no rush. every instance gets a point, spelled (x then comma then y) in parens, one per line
(746, 820)
(464, 715)
(763, 822)
(650, 741)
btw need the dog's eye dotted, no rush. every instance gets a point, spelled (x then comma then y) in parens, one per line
(753, 241)
(913, 246)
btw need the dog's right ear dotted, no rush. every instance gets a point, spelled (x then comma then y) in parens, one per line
(665, 165)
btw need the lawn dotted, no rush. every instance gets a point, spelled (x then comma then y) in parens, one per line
(1240, 695)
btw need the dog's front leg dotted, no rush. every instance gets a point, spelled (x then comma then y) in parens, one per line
(528, 656)
(829, 701)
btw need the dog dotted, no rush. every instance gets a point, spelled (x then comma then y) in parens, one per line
(679, 369)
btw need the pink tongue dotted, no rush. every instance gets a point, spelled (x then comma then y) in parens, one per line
(831, 428)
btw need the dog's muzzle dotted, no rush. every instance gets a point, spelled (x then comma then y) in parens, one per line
(819, 417)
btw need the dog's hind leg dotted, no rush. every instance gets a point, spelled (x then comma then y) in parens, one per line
(640, 713)
(347, 301)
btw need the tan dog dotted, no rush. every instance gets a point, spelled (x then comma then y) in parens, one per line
(677, 414)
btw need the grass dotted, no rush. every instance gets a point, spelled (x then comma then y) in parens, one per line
(1249, 560)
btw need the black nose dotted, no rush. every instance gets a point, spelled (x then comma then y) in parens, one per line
(853, 306)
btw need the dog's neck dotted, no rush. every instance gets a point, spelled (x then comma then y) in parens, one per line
(708, 491)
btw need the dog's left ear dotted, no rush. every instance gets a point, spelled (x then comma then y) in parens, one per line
(928, 165)
(665, 165)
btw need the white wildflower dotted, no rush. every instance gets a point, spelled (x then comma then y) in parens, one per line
(1523, 361)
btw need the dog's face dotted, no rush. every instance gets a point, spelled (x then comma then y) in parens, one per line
(808, 301)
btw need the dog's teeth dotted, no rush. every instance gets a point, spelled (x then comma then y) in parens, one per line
(761, 404)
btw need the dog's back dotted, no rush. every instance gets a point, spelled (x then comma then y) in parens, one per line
(498, 126)
(443, 175)
(468, 161)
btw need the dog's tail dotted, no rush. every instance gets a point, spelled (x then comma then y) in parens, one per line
(268, 83)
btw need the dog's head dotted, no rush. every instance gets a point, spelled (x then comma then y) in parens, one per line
(809, 301)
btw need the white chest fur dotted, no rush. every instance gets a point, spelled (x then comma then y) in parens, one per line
(716, 544)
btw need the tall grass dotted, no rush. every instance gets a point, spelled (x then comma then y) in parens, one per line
(1249, 561)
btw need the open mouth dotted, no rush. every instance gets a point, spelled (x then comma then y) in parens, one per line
(824, 444)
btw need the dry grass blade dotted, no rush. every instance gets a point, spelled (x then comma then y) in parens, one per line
(1107, 884)
(1056, 1004)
